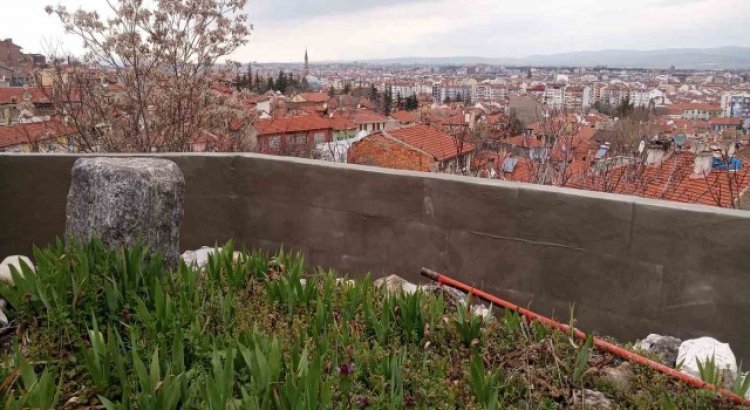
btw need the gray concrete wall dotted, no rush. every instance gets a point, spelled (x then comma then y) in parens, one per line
(631, 266)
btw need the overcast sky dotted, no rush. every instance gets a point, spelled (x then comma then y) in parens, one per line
(370, 29)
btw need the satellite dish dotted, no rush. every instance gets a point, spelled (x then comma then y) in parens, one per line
(641, 147)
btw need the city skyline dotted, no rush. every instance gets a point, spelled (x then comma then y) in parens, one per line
(441, 28)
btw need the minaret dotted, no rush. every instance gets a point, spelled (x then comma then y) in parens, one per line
(307, 64)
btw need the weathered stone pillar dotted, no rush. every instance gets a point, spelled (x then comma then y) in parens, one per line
(122, 199)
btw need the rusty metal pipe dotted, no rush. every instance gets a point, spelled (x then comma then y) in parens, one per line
(599, 343)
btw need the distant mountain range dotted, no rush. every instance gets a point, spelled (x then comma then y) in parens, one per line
(683, 58)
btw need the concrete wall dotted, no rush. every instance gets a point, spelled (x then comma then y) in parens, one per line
(631, 266)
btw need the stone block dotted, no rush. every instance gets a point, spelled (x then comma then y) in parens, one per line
(121, 200)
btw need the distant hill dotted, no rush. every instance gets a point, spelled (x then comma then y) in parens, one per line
(684, 58)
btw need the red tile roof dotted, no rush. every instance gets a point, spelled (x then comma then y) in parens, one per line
(254, 99)
(672, 181)
(679, 107)
(298, 123)
(314, 97)
(367, 117)
(31, 133)
(525, 142)
(340, 122)
(431, 140)
(406, 116)
(732, 121)
(12, 95)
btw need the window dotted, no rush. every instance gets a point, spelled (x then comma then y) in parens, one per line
(274, 142)
(298, 139)
(320, 137)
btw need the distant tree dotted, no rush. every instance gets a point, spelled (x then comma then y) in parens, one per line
(625, 108)
(162, 55)
(399, 102)
(331, 92)
(258, 84)
(270, 86)
(447, 99)
(387, 101)
(347, 88)
(459, 97)
(514, 125)
(243, 81)
(411, 103)
(281, 82)
(373, 93)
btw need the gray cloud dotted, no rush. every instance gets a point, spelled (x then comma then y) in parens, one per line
(262, 10)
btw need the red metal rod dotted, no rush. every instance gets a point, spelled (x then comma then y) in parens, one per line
(599, 343)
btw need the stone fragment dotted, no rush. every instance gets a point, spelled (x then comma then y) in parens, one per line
(394, 283)
(590, 399)
(3, 319)
(120, 200)
(703, 349)
(199, 257)
(15, 261)
(453, 297)
(620, 377)
(663, 347)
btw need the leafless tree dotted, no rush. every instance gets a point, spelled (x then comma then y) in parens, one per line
(148, 79)
(553, 149)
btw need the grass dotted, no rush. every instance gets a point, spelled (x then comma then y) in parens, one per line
(93, 327)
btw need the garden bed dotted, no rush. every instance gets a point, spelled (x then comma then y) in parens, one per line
(93, 327)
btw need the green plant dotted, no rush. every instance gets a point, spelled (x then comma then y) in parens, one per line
(36, 392)
(380, 324)
(582, 359)
(540, 331)
(468, 325)
(97, 357)
(709, 372)
(409, 315)
(741, 384)
(258, 336)
(263, 358)
(219, 383)
(485, 384)
(302, 387)
(394, 369)
(287, 287)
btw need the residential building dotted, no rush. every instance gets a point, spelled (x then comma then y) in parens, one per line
(368, 120)
(578, 97)
(452, 92)
(417, 147)
(695, 111)
(294, 135)
(736, 105)
(23, 103)
(45, 136)
(554, 96)
(17, 66)
(342, 125)
(725, 123)
(640, 97)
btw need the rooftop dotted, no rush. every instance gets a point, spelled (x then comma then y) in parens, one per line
(431, 140)
(295, 123)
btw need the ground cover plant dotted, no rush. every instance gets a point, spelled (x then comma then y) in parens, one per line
(114, 329)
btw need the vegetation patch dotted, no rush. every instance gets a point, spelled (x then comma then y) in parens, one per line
(92, 327)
